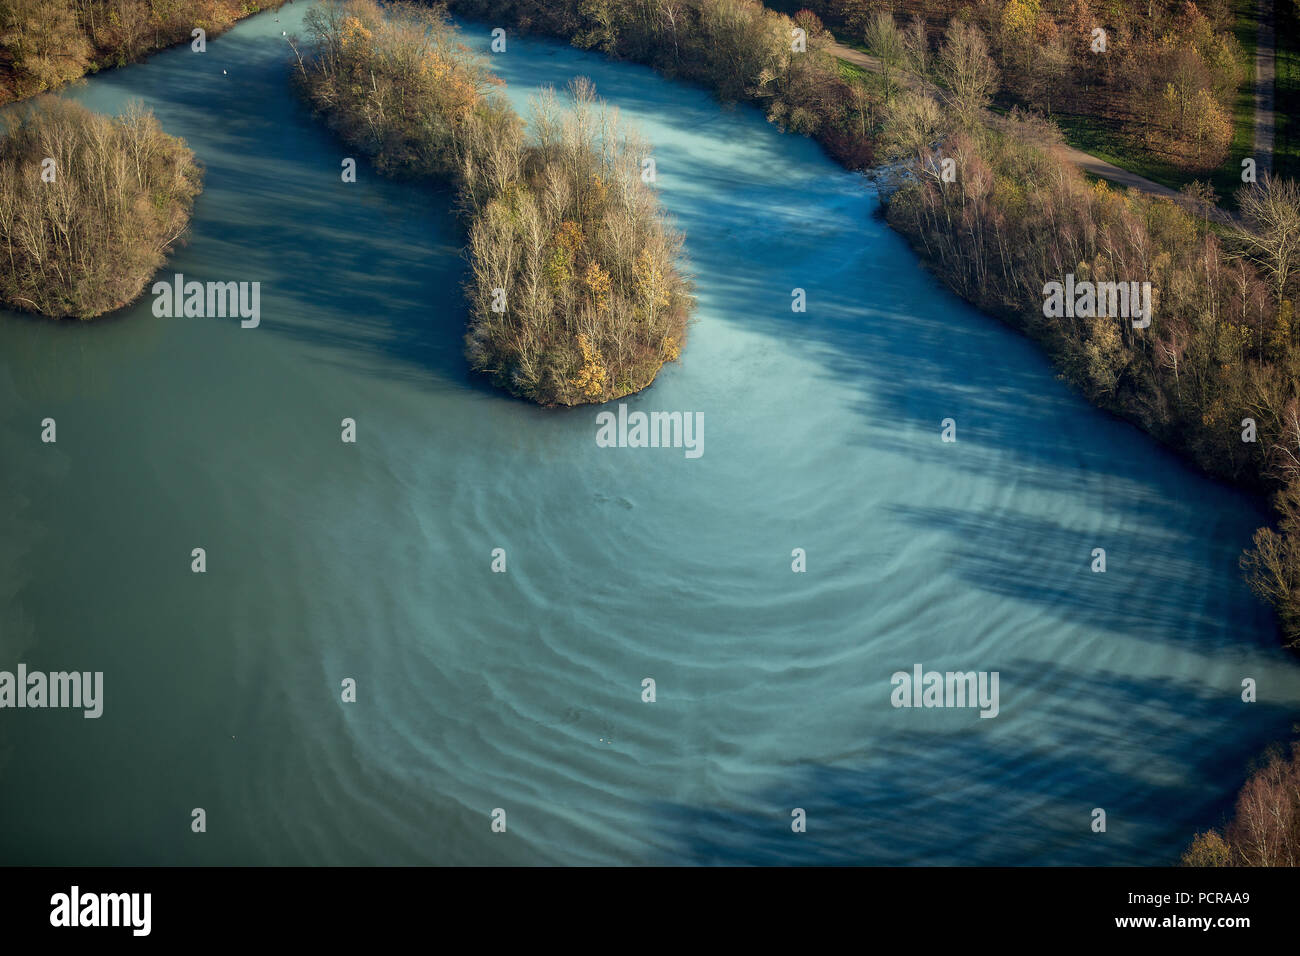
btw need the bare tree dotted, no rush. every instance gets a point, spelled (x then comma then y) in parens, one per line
(967, 70)
(1271, 210)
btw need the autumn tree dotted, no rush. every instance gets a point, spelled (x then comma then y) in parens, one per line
(574, 291)
(89, 206)
(1208, 849)
(913, 125)
(885, 41)
(44, 42)
(916, 47)
(1265, 825)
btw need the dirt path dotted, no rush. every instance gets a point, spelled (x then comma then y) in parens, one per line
(1090, 163)
(856, 57)
(1122, 177)
(1265, 68)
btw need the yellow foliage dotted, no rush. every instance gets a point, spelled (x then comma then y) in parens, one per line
(435, 67)
(1279, 339)
(353, 30)
(1212, 414)
(590, 379)
(1162, 263)
(566, 242)
(455, 87)
(1020, 19)
(598, 193)
(557, 269)
(650, 285)
(1208, 849)
(599, 283)
(569, 236)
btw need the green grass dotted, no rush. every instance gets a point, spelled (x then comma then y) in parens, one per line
(1104, 139)
(852, 73)
(843, 39)
(1286, 142)
(1227, 178)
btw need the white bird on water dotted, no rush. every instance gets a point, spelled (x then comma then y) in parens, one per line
(223, 72)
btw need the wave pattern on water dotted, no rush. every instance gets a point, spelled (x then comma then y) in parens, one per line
(522, 690)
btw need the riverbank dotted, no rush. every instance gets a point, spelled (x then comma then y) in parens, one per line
(47, 43)
(998, 214)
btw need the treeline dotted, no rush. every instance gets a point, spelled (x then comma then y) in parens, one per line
(1265, 826)
(575, 294)
(996, 211)
(1214, 376)
(1222, 347)
(1166, 72)
(46, 43)
(739, 49)
(89, 207)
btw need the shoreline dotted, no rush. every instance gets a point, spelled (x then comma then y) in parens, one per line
(236, 9)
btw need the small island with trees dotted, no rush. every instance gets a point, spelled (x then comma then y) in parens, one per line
(575, 291)
(90, 206)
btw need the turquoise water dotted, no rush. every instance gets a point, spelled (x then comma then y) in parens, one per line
(522, 690)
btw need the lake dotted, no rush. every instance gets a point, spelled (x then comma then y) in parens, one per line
(522, 690)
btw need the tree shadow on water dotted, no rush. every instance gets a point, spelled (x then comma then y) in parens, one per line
(370, 272)
(1002, 796)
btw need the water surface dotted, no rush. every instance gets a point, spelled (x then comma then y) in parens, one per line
(523, 690)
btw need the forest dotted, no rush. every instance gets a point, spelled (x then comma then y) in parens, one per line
(89, 206)
(1214, 377)
(46, 43)
(1163, 77)
(1215, 374)
(575, 292)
